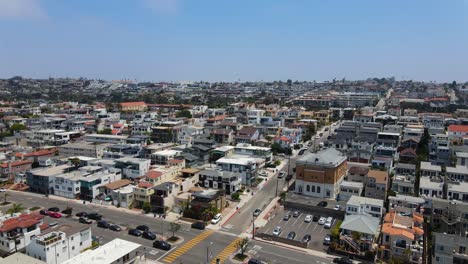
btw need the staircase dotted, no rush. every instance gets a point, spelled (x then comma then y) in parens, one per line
(351, 243)
(450, 222)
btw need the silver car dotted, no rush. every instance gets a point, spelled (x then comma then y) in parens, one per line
(277, 231)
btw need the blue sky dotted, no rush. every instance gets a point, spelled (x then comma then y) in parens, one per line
(226, 40)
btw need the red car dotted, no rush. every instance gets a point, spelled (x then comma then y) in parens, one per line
(55, 215)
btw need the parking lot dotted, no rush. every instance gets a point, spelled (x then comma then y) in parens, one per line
(298, 225)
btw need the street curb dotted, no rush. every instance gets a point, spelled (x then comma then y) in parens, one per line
(229, 218)
(282, 245)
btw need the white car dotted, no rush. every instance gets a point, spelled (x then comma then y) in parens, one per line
(277, 231)
(337, 207)
(281, 174)
(317, 137)
(322, 220)
(2, 190)
(216, 219)
(262, 173)
(308, 218)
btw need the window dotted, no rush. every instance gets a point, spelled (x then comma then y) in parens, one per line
(387, 238)
(318, 189)
(313, 188)
(308, 188)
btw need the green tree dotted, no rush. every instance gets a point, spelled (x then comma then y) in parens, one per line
(235, 196)
(146, 207)
(184, 113)
(16, 208)
(242, 245)
(335, 232)
(105, 131)
(174, 227)
(75, 162)
(17, 127)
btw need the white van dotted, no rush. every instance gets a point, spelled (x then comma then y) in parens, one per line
(328, 223)
(216, 219)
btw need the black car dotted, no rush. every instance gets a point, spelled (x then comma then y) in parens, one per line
(289, 177)
(257, 212)
(143, 228)
(292, 235)
(135, 232)
(315, 218)
(161, 245)
(115, 228)
(149, 235)
(342, 261)
(44, 212)
(67, 211)
(85, 221)
(322, 204)
(82, 214)
(199, 225)
(54, 209)
(95, 216)
(287, 217)
(103, 224)
(296, 214)
(306, 238)
(254, 261)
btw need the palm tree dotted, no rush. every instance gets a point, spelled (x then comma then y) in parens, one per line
(15, 208)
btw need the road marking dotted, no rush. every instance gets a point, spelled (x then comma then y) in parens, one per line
(322, 230)
(231, 248)
(187, 246)
(167, 253)
(153, 252)
(295, 221)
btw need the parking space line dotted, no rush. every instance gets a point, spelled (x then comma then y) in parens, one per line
(315, 227)
(295, 222)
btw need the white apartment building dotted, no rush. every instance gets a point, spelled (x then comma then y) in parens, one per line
(86, 149)
(246, 166)
(17, 231)
(60, 244)
(358, 205)
(133, 167)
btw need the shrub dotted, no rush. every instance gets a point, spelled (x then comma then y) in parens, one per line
(235, 196)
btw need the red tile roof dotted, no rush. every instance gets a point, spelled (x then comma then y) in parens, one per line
(22, 221)
(175, 161)
(44, 152)
(154, 174)
(117, 125)
(145, 185)
(131, 104)
(408, 152)
(458, 128)
(15, 163)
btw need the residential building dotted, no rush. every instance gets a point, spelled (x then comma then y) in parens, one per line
(363, 227)
(117, 251)
(457, 173)
(162, 157)
(376, 184)
(41, 180)
(20, 258)
(462, 159)
(402, 237)
(54, 246)
(133, 167)
(95, 178)
(143, 192)
(163, 197)
(320, 174)
(247, 135)
(439, 150)
(10, 168)
(357, 205)
(218, 179)
(457, 190)
(457, 132)
(405, 169)
(133, 106)
(120, 192)
(403, 184)
(429, 170)
(348, 189)
(357, 174)
(254, 151)
(246, 166)
(17, 231)
(449, 248)
(431, 186)
(102, 138)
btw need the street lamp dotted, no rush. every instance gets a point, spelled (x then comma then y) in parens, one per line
(208, 252)
(253, 225)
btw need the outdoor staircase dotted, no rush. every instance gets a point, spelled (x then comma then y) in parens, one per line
(351, 243)
(452, 221)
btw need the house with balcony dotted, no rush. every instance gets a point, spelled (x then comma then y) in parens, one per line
(449, 248)
(143, 191)
(457, 190)
(439, 150)
(405, 169)
(431, 187)
(204, 199)
(132, 167)
(244, 149)
(10, 168)
(217, 179)
(348, 189)
(164, 197)
(403, 184)
(245, 166)
(358, 205)
(402, 237)
(359, 233)
(119, 192)
(247, 135)
(42, 180)
(429, 170)
(162, 157)
(457, 173)
(462, 158)
(376, 184)
(54, 246)
(357, 174)
(17, 231)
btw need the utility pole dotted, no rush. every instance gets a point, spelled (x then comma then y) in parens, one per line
(253, 225)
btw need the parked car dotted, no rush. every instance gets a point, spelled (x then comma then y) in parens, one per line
(308, 218)
(322, 220)
(135, 232)
(296, 214)
(254, 261)
(82, 214)
(317, 137)
(95, 216)
(262, 173)
(342, 261)
(216, 219)
(322, 204)
(287, 217)
(2, 190)
(161, 245)
(292, 235)
(301, 152)
(329, 222)
(306, 238)
(55, 215)
(327, 240)
(85, 221)
(54, 209)
(337, 207)
(277, 231)
(115, 228)
(44, 212)
(142, 228)
(281, 174)
(199, 225)
(257, 212)
(67, 211)
(289, 177)
(103, 224)
(149, 235)
(315, 218)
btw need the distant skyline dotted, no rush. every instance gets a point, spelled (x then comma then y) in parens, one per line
(247, 40)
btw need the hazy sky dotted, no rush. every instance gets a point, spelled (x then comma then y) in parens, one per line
(155, 40)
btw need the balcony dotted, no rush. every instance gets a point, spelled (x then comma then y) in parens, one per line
(45, 241)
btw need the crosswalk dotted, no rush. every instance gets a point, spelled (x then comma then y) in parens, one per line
(223, 255)
(187, 246)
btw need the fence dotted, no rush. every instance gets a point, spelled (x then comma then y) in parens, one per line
(282, 240)
(315, 209)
